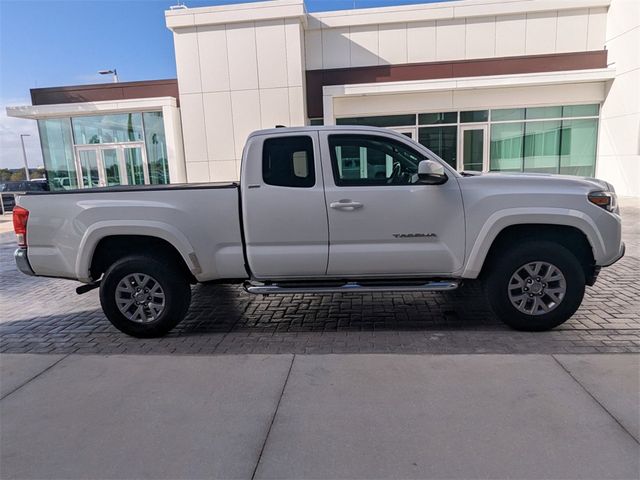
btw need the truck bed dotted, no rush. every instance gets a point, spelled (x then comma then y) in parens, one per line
(202, 221)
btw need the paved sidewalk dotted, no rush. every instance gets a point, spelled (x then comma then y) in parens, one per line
(327, 416)
(43, 315)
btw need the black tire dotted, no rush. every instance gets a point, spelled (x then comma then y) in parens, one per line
(506, 264)
(174, 285)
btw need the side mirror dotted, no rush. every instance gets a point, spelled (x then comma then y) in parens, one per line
(431, 172)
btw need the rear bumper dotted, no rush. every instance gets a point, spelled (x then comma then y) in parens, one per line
(22, 262)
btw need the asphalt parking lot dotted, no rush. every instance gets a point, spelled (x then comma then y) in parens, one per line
(40, 315)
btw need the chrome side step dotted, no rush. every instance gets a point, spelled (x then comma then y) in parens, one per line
(349, 287)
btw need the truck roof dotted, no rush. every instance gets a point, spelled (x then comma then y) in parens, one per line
(310, 128)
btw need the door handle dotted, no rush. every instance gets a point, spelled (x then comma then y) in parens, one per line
(345, 205)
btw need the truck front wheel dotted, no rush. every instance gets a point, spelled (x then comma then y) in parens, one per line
(535, 286)
(144, 297)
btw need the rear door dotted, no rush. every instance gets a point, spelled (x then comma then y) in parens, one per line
(283, 206)
(382, 222)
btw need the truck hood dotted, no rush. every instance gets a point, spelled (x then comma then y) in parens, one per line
(546, 179)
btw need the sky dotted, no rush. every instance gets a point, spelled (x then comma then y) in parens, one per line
(47, 43)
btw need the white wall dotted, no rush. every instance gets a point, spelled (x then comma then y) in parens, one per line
(484, 98)
(540, 32)
(619, 137)
(233, 79)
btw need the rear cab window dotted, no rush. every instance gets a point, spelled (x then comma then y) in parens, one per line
(288, 162)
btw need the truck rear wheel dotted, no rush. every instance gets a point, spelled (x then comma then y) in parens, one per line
(144, 297)
(535, 286)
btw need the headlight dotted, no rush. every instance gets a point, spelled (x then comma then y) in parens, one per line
(606, 200)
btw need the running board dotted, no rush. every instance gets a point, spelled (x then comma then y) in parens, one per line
(349, 287)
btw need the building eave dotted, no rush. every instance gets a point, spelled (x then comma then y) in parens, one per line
(37, 112)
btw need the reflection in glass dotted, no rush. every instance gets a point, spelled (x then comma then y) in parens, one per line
(89, 167)
(543, 112)
(379, 121)
(578, 147)
(506, 114)
(111, 166)
(124, 127)
(133, 163)
(57, 152)
(156, 145)
(542, 146)
(436, 118)
(474, 116)
(580, 110)
(507, 142)
(442, 141)
(473, 149)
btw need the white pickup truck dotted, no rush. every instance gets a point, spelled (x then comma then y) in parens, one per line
(328, 209)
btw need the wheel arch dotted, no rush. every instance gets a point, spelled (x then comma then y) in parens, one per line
(104, 243)
(567, 227)
(572, 238)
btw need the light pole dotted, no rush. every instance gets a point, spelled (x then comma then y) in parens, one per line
(109, 72)
(24, 154)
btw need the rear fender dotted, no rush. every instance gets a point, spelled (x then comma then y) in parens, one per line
(164, 231)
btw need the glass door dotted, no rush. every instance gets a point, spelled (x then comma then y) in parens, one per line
(473, 148)
(135, 165)
(112, 167)
(89, 168)
(407, 132)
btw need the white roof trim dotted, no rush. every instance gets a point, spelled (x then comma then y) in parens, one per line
(90, 108)
(234, 13)
(443, 11)
(466, 83)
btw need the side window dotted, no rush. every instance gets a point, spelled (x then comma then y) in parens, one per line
(288, 162)
(360, 160)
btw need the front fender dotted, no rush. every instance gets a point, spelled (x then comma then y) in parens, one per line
(502, 219)
(164, 231)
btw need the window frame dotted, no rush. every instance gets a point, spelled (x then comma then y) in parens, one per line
(311, 162)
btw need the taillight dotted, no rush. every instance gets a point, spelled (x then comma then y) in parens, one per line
(20, 217)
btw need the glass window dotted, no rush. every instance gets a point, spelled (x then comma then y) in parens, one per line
(580, 110)
(57, 151)
(506, 114)
(542, 146)
(361, 160)
(578, 147)
(133, 165)
(474, 116)
(288, 162)
(543, 112)
(436, 118)
(156, 144)
(507, 142)
(473, 149)
(316, 121)
(380, 121)
(111, 166)
(125, 127)
(443, 141)
(89, 167)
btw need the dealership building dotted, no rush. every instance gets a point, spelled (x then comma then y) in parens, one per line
(492, 85)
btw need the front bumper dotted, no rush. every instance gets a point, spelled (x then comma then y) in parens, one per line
(22, 262)
(617, 257)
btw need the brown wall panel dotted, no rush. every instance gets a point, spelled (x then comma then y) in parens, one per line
(316, 79)
(104, 92)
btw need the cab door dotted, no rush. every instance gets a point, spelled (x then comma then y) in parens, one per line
(283, 206)
(383, 222)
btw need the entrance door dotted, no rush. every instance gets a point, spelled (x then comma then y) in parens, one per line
(90, 173)
(107, 165)
(474, 148)
(407, 132)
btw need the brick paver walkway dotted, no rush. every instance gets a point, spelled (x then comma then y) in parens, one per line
(41, 315)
